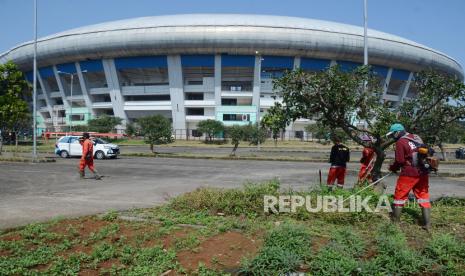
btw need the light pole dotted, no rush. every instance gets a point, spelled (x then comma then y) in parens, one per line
(365, 33)
(71, 97)
(259, 95)
(34, 93)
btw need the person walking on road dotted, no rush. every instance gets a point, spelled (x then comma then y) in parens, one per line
(338, 158)
(413, 175)
(87, 158)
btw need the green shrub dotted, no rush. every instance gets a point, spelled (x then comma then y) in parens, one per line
(285, 249)
(339, 257)
(448, 252)
(333, 260)
(247, 201)
(394, 257)
(148, 261)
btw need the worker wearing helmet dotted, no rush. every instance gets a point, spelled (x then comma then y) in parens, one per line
(87, 158)
(412, 176)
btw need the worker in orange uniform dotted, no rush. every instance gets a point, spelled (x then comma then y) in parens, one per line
(338, 158)
(367, 160)
(413, 176)
(87, 158)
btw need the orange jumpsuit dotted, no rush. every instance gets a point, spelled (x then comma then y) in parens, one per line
(87, 147)
(367, 155)
(411, 177)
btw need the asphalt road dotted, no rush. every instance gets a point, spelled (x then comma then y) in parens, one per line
(38, 192)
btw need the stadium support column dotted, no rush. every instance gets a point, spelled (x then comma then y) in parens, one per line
(407, 85)
(217, 80)
(386, 83)
(85, 93)
(116, 96)
(60, 87)
(296, 62)
(45, 92)
(177, 95)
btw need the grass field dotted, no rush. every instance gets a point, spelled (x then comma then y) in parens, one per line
(225, 232)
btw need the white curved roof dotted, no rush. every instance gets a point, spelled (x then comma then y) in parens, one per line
(236, 33)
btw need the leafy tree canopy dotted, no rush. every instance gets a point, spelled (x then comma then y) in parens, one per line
(210, 128)
(156, 130)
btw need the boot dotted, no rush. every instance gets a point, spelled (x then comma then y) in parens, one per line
(426, 213)
(81, 174)
(395, 215)
(96, 175)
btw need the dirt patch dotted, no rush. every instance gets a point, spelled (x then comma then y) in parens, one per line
(223, 252)
(109, 264)
(83, 227)
(318, 243)
(11, 237)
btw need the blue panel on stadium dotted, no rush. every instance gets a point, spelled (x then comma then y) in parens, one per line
(67, 68)
(380, 70)
(198, 60)
(141, 62)
(347, 66)
(399, 74)
(278, 62)
(314, 64)
(237, 61)
(91, 65)
(46, 72)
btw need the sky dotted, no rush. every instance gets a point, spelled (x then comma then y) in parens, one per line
(439, 24)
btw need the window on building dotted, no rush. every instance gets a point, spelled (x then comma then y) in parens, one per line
(236, 117)
(155, 98)
(93, 73)
(194, 96)
(228, 101)
(78, 117)
(195, 111)
(237, 73)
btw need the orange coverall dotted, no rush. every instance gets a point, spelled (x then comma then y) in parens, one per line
(87, 147)
(367, 156)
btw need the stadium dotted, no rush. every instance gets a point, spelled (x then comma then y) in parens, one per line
(194, 67)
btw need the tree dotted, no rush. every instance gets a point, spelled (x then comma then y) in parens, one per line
(352, 100)
(14, 110)
(254, 133)
(156, 129)
(237, 134)
(251, 133)
(438, 106)
(210, 128)
(132, 129)
(104, 123)
(275, 120)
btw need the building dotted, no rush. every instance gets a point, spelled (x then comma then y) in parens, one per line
(204, 66)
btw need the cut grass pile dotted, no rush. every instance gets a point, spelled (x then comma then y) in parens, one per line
(225, 232)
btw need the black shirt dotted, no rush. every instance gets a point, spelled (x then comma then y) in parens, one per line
(340, 155)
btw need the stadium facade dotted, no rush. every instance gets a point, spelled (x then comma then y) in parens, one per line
(204, 66)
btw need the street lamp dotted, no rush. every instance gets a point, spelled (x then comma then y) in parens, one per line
(71, 97)
(259, 92)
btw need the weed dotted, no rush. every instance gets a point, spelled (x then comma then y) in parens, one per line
(191, 241)
(110, 216)
(285, 249)
(448, 252)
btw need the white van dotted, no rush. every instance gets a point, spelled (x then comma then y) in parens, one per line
(68, 146)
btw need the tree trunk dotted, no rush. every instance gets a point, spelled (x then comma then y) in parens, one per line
(233, 152)
(380, 157)
(443, 151)
(1, 143)
(16, 143)
(275, 142)
(151, 148)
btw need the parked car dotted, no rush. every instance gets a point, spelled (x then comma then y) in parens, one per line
(68, 146)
